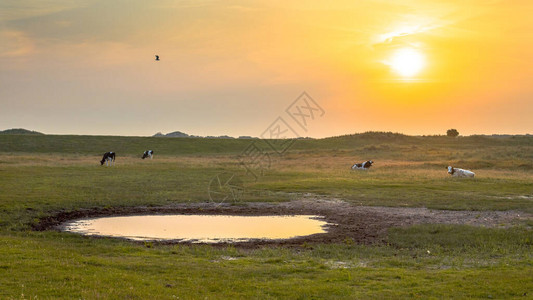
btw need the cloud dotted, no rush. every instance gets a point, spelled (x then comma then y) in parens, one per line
(15, 44)
(15, 9)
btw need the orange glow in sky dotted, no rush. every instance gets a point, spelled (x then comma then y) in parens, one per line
(232, 67)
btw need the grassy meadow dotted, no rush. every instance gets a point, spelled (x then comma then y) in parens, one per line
(46, 174)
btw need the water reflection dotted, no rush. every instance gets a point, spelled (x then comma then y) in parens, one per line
(200, 228)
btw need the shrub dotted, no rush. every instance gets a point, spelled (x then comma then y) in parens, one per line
(452, 132)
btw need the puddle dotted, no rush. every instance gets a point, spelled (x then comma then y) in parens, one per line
(199, 228)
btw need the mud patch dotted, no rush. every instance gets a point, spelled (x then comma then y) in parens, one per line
(360, 224)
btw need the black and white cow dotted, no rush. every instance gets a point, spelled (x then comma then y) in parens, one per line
(148, 153)
(108, 159)
(456, 172)
(363, 166)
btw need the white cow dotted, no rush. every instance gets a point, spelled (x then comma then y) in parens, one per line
(456, 172)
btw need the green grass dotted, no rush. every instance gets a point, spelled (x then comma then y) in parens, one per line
(53, 265)
(429, 187)
(41, 175)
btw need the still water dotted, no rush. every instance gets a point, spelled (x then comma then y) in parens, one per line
(200, 228)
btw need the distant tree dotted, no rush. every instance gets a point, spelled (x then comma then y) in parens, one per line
(452, 132)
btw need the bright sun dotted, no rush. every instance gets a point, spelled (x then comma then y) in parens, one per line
(407, 62)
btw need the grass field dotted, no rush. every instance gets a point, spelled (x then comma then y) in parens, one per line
(43, 175)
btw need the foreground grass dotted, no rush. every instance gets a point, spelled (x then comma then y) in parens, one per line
(62, 173)
(61, 265)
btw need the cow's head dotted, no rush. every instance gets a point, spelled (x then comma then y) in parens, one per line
(102, 162)
(451, 170)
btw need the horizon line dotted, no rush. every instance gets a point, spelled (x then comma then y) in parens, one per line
(254, 137)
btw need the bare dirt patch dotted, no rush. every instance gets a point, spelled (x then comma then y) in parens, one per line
(360, 224)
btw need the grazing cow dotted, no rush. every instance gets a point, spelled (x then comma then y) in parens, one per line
(456, 172)
(363, 166)
(148, 153)
(108, 159)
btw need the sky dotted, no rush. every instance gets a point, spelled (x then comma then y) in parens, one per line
(236, 68)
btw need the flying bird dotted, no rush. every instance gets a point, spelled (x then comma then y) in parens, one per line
(157, 57)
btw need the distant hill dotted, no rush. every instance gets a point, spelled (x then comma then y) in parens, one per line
(173, 134)
(20, 131)
(374, 135)
(179, 134)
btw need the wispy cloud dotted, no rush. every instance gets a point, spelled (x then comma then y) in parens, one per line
(15, 44)
(16, 9)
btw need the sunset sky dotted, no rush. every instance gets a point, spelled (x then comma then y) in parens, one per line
(233, 67)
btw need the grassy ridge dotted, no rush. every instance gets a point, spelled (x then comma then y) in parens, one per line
(135, 146)
(87, 144)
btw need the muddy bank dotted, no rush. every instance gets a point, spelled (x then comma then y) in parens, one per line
(362, 224)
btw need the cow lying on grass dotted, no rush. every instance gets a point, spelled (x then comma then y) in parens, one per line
(108, 159)
(363, 166)
(148, 153)
(456, 172)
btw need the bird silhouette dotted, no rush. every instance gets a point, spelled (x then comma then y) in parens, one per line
(157, 57)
